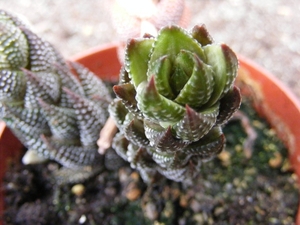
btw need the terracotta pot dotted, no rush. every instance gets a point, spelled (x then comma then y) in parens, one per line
(273, 101)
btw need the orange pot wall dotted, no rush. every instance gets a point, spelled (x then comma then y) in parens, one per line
(277, 99)
(102, 60)
(10, 148)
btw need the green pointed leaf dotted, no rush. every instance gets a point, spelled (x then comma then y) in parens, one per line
(231, 67)
(163, 159)
(224, 64)
(124, 76)
(176, 174)
(216, 59)
(135, 133)
(183, 68)
(127, 93)
(162, 71)
(209, 146)
(197, 91)
(120, 144)
(156, 107)
(194, 125)
(168, 143)
(136, 59)
(178, 80)
(118, 112)
(229, 104)
(153, 131)
(170, 41)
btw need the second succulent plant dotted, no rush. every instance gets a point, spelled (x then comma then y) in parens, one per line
(56, 108)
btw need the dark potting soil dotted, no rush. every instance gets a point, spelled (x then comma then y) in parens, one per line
(250, 182)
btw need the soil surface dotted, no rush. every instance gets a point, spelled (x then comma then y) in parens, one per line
(250, 182)
(265, 31)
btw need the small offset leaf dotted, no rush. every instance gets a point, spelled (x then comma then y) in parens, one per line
(200, 33)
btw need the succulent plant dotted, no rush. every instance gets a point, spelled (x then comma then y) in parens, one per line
(56, 108)
(176, 90)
